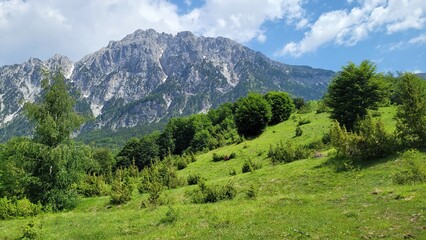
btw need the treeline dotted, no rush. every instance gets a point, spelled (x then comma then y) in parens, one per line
(230, 123)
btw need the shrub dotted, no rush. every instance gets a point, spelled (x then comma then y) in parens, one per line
(171, 217)
(250, 166)
(218, 157)
(412, 168)
(193, 179)
(232, 172)
(303, 121)
(18, 208)
(251, 192)
(288, 153)
(121, 189)
(30, 232)
(370, 141)
(211, 194)
(93, 186)
(299, 131)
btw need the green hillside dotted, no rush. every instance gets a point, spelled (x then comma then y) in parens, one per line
(319, 197)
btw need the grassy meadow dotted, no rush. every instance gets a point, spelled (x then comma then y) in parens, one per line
(315, 198)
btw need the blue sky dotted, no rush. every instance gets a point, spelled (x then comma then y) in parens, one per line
(323, 34)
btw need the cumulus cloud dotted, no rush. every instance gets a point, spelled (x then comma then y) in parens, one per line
(348, 27)
(42, 28)
(241, 20)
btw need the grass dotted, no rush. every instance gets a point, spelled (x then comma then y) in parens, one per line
(304, 199)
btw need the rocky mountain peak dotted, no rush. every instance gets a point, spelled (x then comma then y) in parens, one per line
(148, 77)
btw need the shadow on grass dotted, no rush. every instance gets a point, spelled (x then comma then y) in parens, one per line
(342, 164)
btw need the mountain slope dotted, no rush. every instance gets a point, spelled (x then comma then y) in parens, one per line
(305, 199)
(148, 77)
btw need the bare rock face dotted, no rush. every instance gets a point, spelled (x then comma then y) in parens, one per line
(148, 77)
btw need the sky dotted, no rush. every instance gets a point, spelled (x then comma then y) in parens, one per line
(322, 34)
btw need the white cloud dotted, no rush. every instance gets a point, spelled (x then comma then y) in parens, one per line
(42, 28)
(418, 40)
(239, 20)
(349, 27)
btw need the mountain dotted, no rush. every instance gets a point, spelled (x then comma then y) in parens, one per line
(422, 75)
(148, 77)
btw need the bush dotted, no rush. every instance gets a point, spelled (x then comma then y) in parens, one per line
(93, 186)
(30, 232)
(18, 208)
(232, 172)
(288, 153)
(299, 131)
(121, 189)
(251, 192)
(303, 121)
(281, 105)
(211, 194)
(171, 217)
(370, 141)
(412, 168)
(250, 166)
(218, 157)
(193, 179)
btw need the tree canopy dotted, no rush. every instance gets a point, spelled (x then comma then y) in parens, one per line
(353, 91)
(54, 117)
(252, 114)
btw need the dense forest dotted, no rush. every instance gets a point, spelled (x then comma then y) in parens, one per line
(50, 171)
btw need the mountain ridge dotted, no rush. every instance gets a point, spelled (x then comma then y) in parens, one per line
(148, 77)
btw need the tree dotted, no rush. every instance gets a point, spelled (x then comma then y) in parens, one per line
(282, 106)
(252, 114)
(353, 91)
(411, 114)
(54, 117)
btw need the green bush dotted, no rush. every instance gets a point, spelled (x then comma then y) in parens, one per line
(211, 194)
(288, 153)
(193, 179)
(303, 121)
(299, 131)
(250, 166)
(217, 157)
(171, 216)
(121, 189)
(412, 168)
(93, 186)
(368, 142)
(18, 208)
(30, 231)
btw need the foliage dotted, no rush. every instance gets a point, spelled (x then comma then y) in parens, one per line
(411, 168)
(218, 157)
(121, 189)
(353, 91)
(299, 131)
(54, 117)
(194, 179)
(142, 152)
(106, 162)
(288, 152)
(18, 208)
(250, 166)
(370, 141)
(281, 106)
(30, 231)
(171, 216)
(299, 102)
(93, 185)
(252, 114)
(411, 114)
(211, 194)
